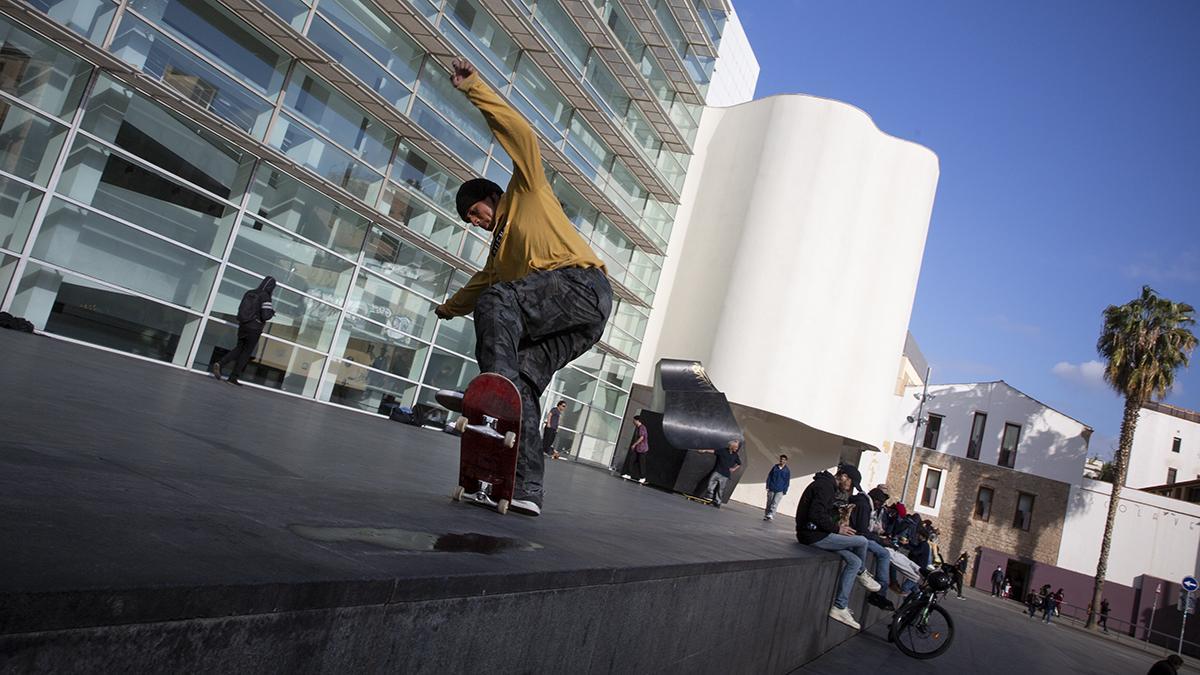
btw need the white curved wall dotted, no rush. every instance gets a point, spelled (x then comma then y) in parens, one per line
(794, 261)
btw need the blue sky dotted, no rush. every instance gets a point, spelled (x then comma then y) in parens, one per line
(1069, 141)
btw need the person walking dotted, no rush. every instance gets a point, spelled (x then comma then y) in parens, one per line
(550, 428)
(638, 447)
(543, 297)
(254, 311)
(997, 581)
(727, 464)
(1048, 604)
(960, 573)
(1104, 614)
(778, 481)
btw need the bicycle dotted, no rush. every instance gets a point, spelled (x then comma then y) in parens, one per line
(922, 628)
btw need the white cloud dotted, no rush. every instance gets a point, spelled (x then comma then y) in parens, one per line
(1163, 267)
(1089, 373)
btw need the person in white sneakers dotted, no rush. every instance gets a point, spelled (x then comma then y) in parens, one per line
(636, 456)
(817, 525)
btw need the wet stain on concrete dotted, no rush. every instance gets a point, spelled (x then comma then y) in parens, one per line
(410, 540)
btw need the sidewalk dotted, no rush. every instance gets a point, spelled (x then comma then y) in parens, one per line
(1113, 636)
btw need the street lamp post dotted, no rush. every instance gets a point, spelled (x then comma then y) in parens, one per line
(917, 422)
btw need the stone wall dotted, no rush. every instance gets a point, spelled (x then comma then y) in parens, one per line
(961, 480)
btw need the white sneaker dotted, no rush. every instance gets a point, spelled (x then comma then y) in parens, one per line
(626, 476)
(843, 614)
(525, 506)
(868, 582)
(642, 481)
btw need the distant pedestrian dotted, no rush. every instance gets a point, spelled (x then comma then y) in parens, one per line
(1168, 666)
(254, 311)
(1104, 614)
(1031, 603)
(997, 581)
(1048, 604)
(728, 463)
(960, 568)
(1059, 598)
(550, 428)
(638, 447)
(778, 481)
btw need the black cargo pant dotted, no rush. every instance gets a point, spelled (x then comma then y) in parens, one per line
(526, 330)
(247, 340)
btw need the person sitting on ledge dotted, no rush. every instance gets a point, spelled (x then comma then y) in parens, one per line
(817, 526)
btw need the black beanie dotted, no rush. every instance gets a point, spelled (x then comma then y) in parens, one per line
(473, 191)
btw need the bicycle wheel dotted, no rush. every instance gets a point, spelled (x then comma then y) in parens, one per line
(923, 632)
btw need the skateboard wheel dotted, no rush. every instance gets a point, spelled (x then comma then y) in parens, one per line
(457, 494)
(460, 424)
(502, 507)
(510, 439)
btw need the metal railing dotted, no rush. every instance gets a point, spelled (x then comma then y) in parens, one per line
(1135, 634)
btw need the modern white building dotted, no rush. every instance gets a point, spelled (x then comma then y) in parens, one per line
(1166, 446)
(1154, 535)
(735, 75)
(791, 274)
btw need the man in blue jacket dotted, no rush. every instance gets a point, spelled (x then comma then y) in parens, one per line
(777, 486)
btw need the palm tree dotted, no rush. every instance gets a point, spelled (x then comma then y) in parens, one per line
(1144, 342)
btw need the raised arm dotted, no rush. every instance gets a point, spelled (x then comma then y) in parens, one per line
(509, 126)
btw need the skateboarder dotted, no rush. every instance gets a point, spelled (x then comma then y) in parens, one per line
(255, 310)
(727, 464)
(543, 297)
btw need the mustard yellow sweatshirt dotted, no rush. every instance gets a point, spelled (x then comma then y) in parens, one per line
(534, 233)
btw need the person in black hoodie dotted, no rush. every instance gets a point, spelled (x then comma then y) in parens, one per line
(255, 310)
(817, 525)
(860, 520)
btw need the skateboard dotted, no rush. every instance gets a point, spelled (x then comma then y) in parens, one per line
(491, 427)
(693, 498)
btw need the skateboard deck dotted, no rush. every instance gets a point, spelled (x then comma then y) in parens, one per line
(491, 429)
(694, 498)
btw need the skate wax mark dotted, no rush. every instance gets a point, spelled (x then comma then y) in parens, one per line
(409, 540)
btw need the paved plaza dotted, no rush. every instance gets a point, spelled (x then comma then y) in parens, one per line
(991, 636)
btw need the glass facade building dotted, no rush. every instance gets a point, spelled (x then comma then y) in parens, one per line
(159, 157)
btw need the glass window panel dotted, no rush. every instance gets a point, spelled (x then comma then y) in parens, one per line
(447, 371)
(298, 208)
(381, 348)
(475, 250)
(377, 34)
(575, 384)
(338, 118)
(613, 241)
(602, 426)
(8, 266)
(590, 361)
(102, 248)
(595, 450)
(298, 318)
(18, 206)
(629, 319)
(353, 386)
(126, 189)
(405, 208)
(440, 129)
(392, 306)
(142, 128)
(29, 143)
(628, 187)
(607, 89)
(588, 143)
(486, 33)
(78, 308)
(550, 16)
(90, 18)
(572, 417)
(331, 163)
(40, 73)
(611, 400)
(371, 73)
(622, 342)
(269, 251)
(578, 210)
(150, 51)
(670, 26)
(531, 82)
(535, 117)
(414, 169)
(387, 255)
(275, 364)
(617, 372)
(438, 91)
(497, 171)
(215, 32)
(293, 12)
(457, 335)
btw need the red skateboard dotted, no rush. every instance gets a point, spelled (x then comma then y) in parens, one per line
(491, 428)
